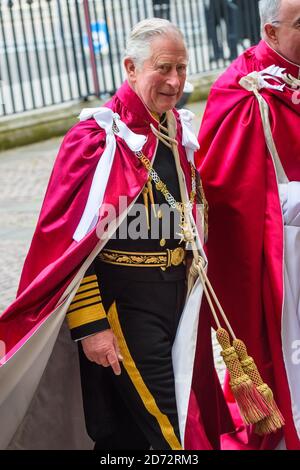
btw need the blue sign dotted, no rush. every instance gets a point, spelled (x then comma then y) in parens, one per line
(100, 37)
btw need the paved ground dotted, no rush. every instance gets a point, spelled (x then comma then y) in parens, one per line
(24, 173)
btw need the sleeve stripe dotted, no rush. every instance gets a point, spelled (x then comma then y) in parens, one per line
(86, 295)
(89, 285)
(85, 301)
(82, 304)
(88, 279)
(92, 313)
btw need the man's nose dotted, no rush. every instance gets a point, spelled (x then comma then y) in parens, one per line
(174, 79)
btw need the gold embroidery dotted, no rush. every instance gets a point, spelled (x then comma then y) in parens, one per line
(162, 259)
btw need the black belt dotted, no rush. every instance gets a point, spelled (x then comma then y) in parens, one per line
(160, 259)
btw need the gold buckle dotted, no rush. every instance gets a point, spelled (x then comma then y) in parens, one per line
(175, 257)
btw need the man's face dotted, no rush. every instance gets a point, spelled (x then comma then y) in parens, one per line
(159, 81)
(287, 31)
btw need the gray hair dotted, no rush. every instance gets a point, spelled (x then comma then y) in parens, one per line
(139, 41)
(269, 11)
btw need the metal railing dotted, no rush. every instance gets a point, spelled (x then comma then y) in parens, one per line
(55, 51)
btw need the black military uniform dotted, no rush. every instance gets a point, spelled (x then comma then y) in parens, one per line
(143, 306)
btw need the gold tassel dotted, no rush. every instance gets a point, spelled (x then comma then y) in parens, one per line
(151, 197)
(250, 402)
(145, 197)
(275, 419)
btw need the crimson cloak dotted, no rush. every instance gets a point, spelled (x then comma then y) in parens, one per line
(55, 260)
(245, 246)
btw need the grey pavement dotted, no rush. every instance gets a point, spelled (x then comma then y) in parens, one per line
(24, 174)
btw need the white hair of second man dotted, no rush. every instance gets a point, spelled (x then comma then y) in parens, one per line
(269, 12)
(139, 41)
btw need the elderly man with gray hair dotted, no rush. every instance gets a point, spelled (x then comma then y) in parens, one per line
(250, 164)
(111, 249)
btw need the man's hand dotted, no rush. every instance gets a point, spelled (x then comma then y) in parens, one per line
(103, 349)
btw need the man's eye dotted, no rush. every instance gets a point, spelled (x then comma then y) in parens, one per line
(163, 68)
(297, 24)
(181, 69)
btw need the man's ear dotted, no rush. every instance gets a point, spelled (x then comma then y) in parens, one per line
(130, 69)
(271, 33)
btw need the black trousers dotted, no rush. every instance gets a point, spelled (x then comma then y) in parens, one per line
(143, 413)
